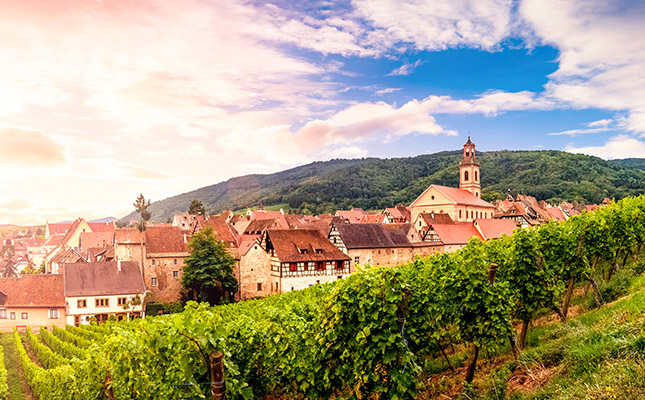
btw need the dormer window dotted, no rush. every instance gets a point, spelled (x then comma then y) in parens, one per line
(303, 251)
(318, 251)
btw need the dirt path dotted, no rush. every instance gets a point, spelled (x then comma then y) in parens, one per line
(18, 388)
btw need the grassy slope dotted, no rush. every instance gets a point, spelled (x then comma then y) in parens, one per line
(378, 183)
(596, 355)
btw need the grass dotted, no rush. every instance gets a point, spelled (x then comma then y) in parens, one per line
(18, 389)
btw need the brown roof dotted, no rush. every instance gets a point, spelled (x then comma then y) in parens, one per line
(364, 236)
(68, 255)
(436, 218)
(401, 213)
(260, 225)
(290, 243)
(32, 291)
(458, 196)
(457, 233)
(129, 236)
(495, 228)
(164, 239)
(92, 239)
(98, 227)
(354, 216)
(102, 279)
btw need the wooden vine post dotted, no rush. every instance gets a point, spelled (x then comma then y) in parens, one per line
(218, 385)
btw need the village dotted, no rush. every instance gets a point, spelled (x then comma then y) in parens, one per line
(78, 272)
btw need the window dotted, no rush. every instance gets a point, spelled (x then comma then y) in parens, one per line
(476, 176)
(293, 267)
(53, 314)
(24, 315)
(3, 314)
(175, 261)
(121, 301)
(357, 260)
(459, 213)
(259, 287)
(153, 281)
(102, 302)
(12, 315)
(175, 274)
(153, 262)
(81, 303)
(318, 251)
(339, 265)
(466, 175)
(320, 265)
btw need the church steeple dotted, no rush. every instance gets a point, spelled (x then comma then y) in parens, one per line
(469, 170)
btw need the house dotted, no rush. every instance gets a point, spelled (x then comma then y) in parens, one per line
(494, 228)
(423, 225)
(165, 251)
(65, 256)
(397, 215)
(101, 289)
(52, 229)
(284, 260)
(463, 204)
(380, 244)
(353, 216)
(188, 222)
(455, 236)
(32, 301)
(95, 240)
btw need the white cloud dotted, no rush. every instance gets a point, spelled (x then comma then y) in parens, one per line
(600, 123)
(578, 132)
(405, 69)
(601, 59)
(621, 146)
(436, 24)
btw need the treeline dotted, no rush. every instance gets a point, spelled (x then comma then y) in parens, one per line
(360, 337)
(378, 183)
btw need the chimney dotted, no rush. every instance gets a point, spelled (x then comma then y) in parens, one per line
(118, 265)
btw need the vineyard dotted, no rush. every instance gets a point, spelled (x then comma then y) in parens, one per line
(370, 335)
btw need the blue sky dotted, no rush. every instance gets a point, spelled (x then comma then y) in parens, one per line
(101, 101)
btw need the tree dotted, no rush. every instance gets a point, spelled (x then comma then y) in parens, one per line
(141, 206)
(208, 270)
(8, 264)
(196, 208)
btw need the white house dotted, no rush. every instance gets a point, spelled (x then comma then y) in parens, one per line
(101, 289)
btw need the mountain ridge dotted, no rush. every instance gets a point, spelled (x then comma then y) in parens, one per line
(374, 183)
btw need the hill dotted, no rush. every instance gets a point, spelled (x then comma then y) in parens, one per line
(378, 183)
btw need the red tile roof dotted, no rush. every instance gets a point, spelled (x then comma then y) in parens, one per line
(289, 243)
(222, 229)
(457, 233)
(458, 196)
(495, 228)
(164, 239)
(98, 227)
(43, 291)
(54, 240)
(353, 216)
(556, 214)
(71, 230)
(129, 236)
(96, 240)
(102, 279)
(61, 228)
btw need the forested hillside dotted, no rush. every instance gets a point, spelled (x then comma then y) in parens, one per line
(378, 183)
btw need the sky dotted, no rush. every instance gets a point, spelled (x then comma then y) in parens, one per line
(101, 100)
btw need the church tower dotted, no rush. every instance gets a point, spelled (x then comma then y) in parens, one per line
(469, 170)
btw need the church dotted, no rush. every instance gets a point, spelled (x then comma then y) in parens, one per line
(463, 204)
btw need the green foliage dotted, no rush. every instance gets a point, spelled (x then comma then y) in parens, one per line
(65, 349)
(208, 270)
(4, 387)
(46, 356)
(196, 208)
(375, 184)
(141, 207)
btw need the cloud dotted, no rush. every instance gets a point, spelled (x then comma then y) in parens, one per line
(24, 147)
(579, 132)
(13, 204)
(621, 146)
(600, 123)
(405, 69)
(600, 62)
(382, 92)
(143, 173)
(436, 24)
(347, 152)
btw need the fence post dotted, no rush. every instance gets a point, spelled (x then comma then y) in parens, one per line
(218, 386)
